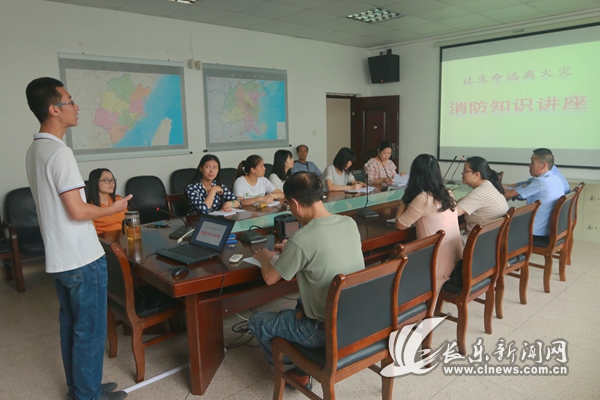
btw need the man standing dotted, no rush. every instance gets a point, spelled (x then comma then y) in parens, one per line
(327, 245)
(74, 255)
(301, 164)
(544, 186)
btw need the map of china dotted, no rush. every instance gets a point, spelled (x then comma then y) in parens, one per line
(243, 104)
(121, 107)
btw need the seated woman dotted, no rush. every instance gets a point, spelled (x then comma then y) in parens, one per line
(205, 193)
(486, 202)
(338, 176)
(380, 169)
(282, 168)
(431, 207)
(101, 189)
(251, 186)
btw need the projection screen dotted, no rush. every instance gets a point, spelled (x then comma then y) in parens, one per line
(501, 99)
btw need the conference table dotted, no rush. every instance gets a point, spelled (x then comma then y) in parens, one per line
(217, 288)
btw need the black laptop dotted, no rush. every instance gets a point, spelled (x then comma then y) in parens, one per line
(207, 241)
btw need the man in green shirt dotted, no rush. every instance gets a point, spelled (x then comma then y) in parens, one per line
(327, 245)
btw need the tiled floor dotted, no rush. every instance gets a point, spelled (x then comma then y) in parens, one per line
(31, 368)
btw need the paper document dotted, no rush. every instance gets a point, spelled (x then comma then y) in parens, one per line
(361, 190)
(254, 261)
(225, 213)
(401, 180)
(273, 204)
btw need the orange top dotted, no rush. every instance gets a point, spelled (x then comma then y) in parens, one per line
(110, 222)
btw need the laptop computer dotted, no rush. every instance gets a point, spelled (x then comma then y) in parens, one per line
(207, 241)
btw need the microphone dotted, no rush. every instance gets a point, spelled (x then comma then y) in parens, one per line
(180, 232)
(366, 212)
(451, 181)
(455, 157)
(169, 214)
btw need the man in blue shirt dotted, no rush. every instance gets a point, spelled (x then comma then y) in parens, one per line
(544, 186)
(301, 164)
(543, 151)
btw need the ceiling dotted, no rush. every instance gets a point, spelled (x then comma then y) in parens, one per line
(325, 20)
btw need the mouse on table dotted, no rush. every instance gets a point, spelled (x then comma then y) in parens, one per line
(179, 272)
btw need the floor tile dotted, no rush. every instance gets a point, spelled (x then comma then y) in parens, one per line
(31, 365)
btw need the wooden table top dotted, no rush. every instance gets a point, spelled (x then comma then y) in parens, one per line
(218, 273)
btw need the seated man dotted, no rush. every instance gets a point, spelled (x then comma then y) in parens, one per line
(544, 186)
(554, 170)
(327, 245)
(301, 164)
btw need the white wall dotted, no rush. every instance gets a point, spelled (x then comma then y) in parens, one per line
(32, 32)
(419, 103)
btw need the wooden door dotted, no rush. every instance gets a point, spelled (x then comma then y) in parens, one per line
(374, 119)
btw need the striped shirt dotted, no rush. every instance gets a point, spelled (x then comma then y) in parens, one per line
(481, 206)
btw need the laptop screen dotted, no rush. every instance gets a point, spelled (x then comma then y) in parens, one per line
(212, 232)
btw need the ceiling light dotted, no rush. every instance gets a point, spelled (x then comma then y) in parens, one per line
(184, 1)
(375, 15)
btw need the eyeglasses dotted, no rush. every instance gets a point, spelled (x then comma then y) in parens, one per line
(68, 103)
(465, 171)
(108, 181)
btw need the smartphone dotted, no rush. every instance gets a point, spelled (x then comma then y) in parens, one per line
(159, 224)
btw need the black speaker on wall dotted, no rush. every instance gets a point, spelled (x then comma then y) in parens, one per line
(385, 68)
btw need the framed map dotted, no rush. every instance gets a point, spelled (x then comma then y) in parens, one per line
(127, 107)
(245, 107)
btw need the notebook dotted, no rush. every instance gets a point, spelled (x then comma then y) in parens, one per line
(207, 241)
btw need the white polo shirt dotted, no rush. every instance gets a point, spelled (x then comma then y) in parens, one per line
(52, 170)
(263, 186)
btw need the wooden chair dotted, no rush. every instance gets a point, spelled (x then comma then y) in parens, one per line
(180, 178)
(480, 266)
(557, 241)
(360, 315)
(9, 250)
(138, 308)
(516, 251)
(578, 189)
(416, 281)
(177, 204)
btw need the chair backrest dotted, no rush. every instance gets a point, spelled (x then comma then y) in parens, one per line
(268, 170)
(416, 279)
(359, 175)
(20, 212)
(227, 176)
(180, 178)
(19, 209)
(361, 309)
(120, 278)
(481, 256)
(560, 219)
(177, 204)
(500, 176)
(578, 189)
(520, 230)
(148, 194)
